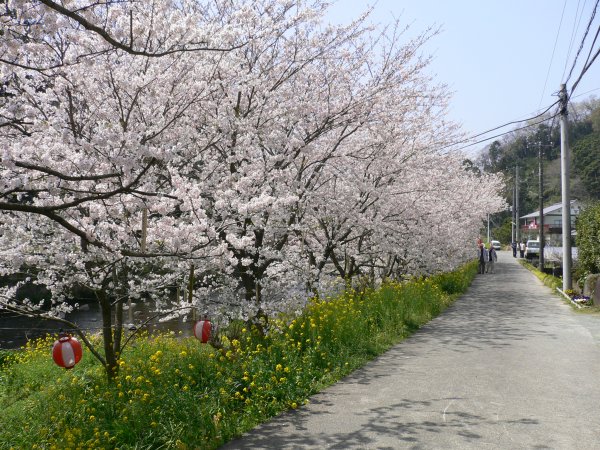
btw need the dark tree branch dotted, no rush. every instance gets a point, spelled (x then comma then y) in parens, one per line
(62, 176)
(128, 47)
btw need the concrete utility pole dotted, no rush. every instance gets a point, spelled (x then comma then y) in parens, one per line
(541, 220)
(566, 195)
(513, 224)
(518, 231)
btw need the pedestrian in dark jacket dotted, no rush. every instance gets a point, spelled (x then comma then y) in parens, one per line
(492, 258)
(483, 256)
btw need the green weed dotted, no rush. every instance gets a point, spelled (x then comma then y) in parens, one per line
(173, 392)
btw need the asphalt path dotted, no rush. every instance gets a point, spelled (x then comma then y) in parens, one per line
(509, 366)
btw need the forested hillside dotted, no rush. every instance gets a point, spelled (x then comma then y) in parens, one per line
(521, 148)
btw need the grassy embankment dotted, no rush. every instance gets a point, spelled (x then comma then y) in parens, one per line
(178, 393)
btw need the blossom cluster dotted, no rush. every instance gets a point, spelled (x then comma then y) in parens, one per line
(241, 151)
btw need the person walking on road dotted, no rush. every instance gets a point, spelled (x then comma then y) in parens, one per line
(514, 248)
(483, 257)
(492, 258)
(522, 249)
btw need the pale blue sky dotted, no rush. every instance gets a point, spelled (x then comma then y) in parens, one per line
(495, 54)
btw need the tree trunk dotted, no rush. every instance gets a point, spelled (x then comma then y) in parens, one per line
(107, 334)
(253, 293)
(118, 334)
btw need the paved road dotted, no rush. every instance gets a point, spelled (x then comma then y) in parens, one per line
(508, 366)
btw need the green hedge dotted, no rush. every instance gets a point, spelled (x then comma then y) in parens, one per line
(588, 239)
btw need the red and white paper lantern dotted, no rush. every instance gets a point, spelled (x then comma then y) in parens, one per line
(202, 329)
(67, 351)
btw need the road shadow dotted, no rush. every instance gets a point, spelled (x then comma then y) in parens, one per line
(383, 428)
(498, 311)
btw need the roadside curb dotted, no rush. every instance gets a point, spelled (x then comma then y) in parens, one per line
(571, 300)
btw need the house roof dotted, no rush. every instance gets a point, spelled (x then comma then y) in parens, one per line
(548, 210)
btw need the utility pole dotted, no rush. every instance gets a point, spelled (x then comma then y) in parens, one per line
(518, 231)
(513, 223)
(488, 231)
(541, 220)
(566, 196)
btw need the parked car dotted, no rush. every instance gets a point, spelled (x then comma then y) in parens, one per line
(532, 249)
(496, 245)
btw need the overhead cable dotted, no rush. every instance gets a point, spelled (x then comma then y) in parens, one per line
(586, 67)
(553, 51)
(587, 30)
(576, 24)
(508, 132)
(497, 128)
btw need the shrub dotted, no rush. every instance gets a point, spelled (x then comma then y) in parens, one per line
(588, 239)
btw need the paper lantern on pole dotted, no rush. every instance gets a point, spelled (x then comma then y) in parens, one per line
(66, 351)
(202, 329)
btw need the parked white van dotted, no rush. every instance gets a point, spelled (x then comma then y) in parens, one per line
(532, 249)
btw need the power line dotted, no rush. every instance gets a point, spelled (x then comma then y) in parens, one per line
(586, 92)
(553, 51)
(510, 131)
(586, 67)
(497, 128)
(573, 33)
(587, 30)
(592, 47)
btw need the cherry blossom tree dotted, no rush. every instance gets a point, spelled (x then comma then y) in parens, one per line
(248, 150)
(91, 137)
(320, 163)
